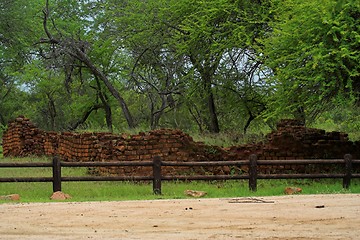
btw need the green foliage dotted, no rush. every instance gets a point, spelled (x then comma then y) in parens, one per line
(18, 28)
(186, 64)
(313, 54)
(342, 118)
(178, 49)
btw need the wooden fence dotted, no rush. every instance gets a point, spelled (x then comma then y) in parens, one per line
(157, 176)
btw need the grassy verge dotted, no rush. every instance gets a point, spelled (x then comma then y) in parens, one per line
(114, 191)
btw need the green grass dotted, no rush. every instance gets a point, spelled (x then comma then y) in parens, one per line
(114, 191)
(111, 191)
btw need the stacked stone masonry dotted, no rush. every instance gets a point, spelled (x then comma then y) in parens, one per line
(291, 140)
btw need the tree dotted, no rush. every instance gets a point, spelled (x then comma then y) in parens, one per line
(66, 43)
(313, 52)
(18, 29)
(153, 69)
(169, 59)
(199, 33)
(243, 87)
(157, 77)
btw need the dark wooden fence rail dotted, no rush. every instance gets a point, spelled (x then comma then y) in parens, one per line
(157, 176)
(253, 175)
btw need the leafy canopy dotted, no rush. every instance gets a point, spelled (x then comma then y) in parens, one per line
(314, 54)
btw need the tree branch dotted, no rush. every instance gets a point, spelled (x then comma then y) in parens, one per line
(47, 32)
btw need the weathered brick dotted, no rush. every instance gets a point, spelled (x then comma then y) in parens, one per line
(289, 141)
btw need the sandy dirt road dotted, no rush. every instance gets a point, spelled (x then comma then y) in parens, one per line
(283, 217)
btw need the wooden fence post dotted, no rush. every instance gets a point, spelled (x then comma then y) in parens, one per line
(253, 173)
(56, 174)
(157, 175)
(348, 171)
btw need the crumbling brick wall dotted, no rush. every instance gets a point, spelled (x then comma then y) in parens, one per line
(22, 138)
(291, 140)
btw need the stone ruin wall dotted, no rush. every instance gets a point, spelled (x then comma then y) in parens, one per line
(291, 140)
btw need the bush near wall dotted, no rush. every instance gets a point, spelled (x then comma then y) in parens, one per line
(291, 140)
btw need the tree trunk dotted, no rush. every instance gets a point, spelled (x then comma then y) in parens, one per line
(249, 120)
(207, 71)
(108, 117)
(300, 115)
(85, 116)
(155, 116)
(106, 105)
(196, 117)
(51, 110)
(213, 123)
(84, 58)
